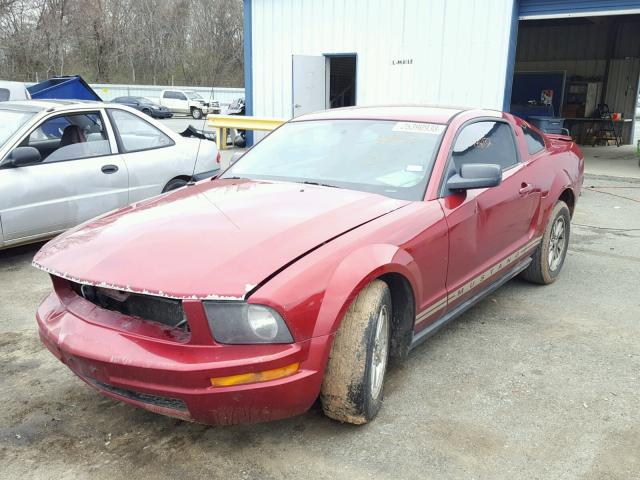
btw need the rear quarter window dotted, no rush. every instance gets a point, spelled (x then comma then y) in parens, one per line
(535, 142)
(4, 94)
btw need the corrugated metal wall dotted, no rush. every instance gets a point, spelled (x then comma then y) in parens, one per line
(459, 49)
(622, 91)
(578, 46)
(578, 39)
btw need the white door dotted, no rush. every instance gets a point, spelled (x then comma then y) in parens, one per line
(78, 179)
(175, 101)
(151, 157)
(309, 84)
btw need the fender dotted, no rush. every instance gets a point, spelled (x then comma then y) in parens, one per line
(357, 270)
(561, 183)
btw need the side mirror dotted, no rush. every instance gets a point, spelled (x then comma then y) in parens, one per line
(235, 157)
(476, 175)
(24, 156)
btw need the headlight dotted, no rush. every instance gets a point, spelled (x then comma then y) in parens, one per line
(241, 323)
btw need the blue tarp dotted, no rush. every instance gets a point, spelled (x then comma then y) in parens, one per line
(63, 88)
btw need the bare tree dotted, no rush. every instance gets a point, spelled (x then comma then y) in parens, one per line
(196, 42)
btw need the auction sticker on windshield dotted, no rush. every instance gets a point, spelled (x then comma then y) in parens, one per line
(416, 127)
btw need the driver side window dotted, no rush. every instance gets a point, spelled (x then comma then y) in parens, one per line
(70, 137)
(485, 142)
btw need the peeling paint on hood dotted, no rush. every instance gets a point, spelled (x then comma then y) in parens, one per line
(215, 240)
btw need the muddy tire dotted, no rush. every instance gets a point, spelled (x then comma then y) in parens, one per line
(550, 254)
(352, 386)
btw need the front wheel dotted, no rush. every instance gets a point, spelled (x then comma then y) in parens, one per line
(549, 257)
(352, 385)
(196, 113)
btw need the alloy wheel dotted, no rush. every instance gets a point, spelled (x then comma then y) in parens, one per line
(380, 352)
(557, 243)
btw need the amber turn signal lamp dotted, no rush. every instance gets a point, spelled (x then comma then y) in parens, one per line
(255, 377)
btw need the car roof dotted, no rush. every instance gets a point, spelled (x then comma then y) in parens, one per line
(406, 113)
(40, 105)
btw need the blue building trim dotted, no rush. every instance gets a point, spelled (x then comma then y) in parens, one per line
(534, 8)
(248, 66)
(511, 58)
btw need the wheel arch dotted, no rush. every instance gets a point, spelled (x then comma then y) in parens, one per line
(396, 267)
(568, 197)
(186, 178)
(562, 188)
(404, 312)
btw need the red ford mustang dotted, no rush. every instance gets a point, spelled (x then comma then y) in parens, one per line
(344, 238)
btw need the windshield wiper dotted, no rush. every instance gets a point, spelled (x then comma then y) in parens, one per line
(307, 182)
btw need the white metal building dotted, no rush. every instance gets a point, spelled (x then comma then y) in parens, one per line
(307, 55)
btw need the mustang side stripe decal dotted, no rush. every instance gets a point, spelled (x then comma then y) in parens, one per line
(429, 311)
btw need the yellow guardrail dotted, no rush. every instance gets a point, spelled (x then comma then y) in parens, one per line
(222, 123)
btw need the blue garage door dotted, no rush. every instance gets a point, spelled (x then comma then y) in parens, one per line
(531, 9)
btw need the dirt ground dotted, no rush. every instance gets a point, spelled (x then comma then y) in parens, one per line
(533, 383)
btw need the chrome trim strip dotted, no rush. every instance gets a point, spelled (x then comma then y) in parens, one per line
(474, 282)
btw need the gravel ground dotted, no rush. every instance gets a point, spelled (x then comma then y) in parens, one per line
(533, 383)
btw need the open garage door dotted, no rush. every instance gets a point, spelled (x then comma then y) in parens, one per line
(546, 9)
(578, 63)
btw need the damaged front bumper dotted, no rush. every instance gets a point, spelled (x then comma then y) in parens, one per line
(145, 365)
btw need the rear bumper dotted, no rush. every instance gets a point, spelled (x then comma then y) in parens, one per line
(173, 378)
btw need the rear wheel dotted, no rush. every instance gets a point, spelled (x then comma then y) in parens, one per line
(173, 184)
(196, 113)
(549, 257)
(352, 387)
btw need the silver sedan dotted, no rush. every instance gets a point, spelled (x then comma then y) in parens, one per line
(62, 163)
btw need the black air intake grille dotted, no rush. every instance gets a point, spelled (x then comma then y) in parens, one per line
(165, 402)
(167, 311)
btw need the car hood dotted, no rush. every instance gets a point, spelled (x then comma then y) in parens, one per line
(216, 240)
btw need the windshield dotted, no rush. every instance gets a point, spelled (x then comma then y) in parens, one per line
(386, 157)
(10, 122)
(194, 96)
(145, 101)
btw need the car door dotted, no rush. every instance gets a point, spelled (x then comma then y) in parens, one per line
(487, 227)
(76, 179)
(130, 102)
(175, 101)
(149, 153)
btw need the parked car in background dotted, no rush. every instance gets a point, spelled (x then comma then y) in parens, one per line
(64, 162)
(341, 239)
(13, 91)
(237, 107)
(146, 106)
(187, 102)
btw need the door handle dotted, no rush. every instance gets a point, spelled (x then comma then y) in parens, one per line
(525, 188)
(297, 105)
(109, 169)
